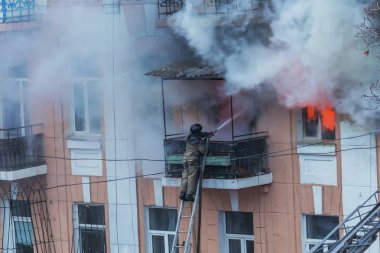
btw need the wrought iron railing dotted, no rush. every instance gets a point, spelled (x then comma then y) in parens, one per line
(21, 147)
(226, 160)
(26, 210)
(16, 10)
(214, 7)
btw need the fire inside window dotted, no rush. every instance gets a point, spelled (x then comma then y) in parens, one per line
(319, 123)
(16, 10)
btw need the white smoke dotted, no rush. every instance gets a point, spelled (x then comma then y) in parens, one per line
(309, 53)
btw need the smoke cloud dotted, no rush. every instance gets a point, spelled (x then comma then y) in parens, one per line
(307, 52)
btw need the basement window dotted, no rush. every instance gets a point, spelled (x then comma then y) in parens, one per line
(162, 224)
(89, 228)
(239, 232)
(317, 227)
(318, 124)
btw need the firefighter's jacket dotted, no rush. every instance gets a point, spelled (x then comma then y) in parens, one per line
(195, 148)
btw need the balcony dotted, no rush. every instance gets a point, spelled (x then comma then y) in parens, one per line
(237, 156)
(12, 11)
(213, 7)
(230, 165)
(22, 152)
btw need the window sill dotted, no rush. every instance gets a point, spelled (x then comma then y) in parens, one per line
(317, 149)
(84, 142)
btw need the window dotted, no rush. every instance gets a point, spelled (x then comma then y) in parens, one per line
(318, 124)
(22, 226)
(239, 232)
(317, 227)
(89, 228)
(86, 105)
(162, 224)
(14, 109)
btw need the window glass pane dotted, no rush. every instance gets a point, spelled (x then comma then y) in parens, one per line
(11, 105)
(24, 232)
(20, 208)
(91, 214)
(328, 134)
(310, 122)
(79, 107)
(162, 219)
(22, 248)
(93, 240)
(234, 246)
(328, 123)
(319, 226)
(18, 71)
(94, 106)
(158, 244)
(250, 246)
(171, 238)
(25, 120)
(239, 223)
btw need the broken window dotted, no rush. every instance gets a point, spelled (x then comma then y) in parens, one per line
(239, 232)
(89, 228)
(162, 224)
(317, 227)
(318, 124)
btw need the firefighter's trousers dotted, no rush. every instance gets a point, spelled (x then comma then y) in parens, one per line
(189, 177)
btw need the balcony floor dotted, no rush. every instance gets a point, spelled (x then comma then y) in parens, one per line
(228, 184)
(10, 175)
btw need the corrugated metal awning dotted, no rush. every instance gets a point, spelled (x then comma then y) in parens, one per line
(187, 71)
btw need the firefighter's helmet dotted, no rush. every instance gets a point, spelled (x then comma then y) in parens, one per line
(196, 128)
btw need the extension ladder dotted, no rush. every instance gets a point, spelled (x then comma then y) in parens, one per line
(359, 230)
(186, 245)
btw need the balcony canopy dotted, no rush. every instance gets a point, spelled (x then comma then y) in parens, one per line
(187, 71)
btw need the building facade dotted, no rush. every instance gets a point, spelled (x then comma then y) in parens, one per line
(96, 99)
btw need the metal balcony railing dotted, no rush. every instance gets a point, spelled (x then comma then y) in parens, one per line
(226, 160)
(21, 147)
(214, 7)
(12, 11)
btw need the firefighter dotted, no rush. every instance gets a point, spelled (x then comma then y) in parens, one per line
(195, 149)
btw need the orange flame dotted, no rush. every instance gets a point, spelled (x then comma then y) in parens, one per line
(328, 118)
(311, 113)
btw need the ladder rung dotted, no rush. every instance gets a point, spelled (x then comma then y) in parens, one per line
(179, 246)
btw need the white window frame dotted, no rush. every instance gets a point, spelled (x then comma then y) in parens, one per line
(309, 241)
(85, 82)
(152, 232)
(21, 83)
(78, 226)
(223, 239)
(243, 241)
(301, 129)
